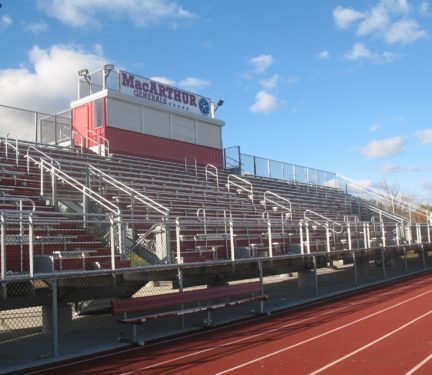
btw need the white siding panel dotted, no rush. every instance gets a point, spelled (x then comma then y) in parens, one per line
(156, 122)
(183, 129)
(209, 135)
(124, 115)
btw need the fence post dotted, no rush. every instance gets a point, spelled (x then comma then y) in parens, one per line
(31, 245)
(270, 240)
(327, 236)
(36, 120)
(112, 242)
(54, 187)
(261, 277)
(355, 268)
(405, 259)
(306, 224)
(178, 238)
(315, 274)
(231, 228)
(54, 316)
(301, 238)
(3, 246)
(383, 262)
(423, 256)
(349, 236)
(180, 281)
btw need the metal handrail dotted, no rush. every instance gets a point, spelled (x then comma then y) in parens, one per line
(148, 202)
(388, 215)
(105, 141)
(40, 152)
(64, 177)
(240, 187)
(6, 141)
(327, 220)
(214, 174)
(277, 204)
(19, 199)
(388, 197)
(193, 159)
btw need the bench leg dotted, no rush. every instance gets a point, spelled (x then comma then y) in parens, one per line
(134, 339)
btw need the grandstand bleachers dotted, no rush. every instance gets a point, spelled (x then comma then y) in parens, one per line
(92, 211)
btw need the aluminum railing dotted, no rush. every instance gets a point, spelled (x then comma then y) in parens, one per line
(211, 170)
(241, 185)
(391, 201)
(102, 144)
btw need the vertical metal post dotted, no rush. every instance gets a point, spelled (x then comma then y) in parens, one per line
(231, 228)
(3, 246)
(383, 262)
(294, 172)
(54, 187)
(365, 241)
(368, 236)
(268, 168)
(55, 130)
(301, 238)
(261, 277)
(397, 235)
(31, 245)
(315, 274)
(254, 165)
(327, 236)
(54, 307)
(355, 268)
(349, 236)
(428, 231)
(179, 259)
(112, 242)
(306, 224)
(405, 260)
(270, 240)
(180, 281)
(419, 236)
(21, 231)
(36, 120)
(120, 235)
(423, 256)
(132, 200)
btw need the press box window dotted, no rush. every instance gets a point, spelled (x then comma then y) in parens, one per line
(98, 113)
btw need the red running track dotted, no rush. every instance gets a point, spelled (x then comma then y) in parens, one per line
(383, 331)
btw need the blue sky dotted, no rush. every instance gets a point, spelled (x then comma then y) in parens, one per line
(337, 85)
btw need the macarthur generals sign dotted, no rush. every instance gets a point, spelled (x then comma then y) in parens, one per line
(158, 92)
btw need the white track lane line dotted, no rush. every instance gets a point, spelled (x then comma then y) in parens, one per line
(371, 343)
(322, 334)
(415, 368)
(129, 350)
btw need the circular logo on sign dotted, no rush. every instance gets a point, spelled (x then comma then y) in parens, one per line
(204, 106)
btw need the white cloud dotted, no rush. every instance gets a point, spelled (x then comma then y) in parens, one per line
(324, 55)
(377, 20)
(270, 83)
(383, 148)
(36, 27)
(404, 32)
(389, 20)
(49, 85)
(265, 103)
(345, 17)
(164, 80)
(5, 22)
(424, 136)
(261, 63)
(359, 52)
(193, 83)
(375, 127)
(142, 13)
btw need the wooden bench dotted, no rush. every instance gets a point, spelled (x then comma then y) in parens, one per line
(153, 303)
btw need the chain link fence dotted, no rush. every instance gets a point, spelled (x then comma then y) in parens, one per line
(54, 316)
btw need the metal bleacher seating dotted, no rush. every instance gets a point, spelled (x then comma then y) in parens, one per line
(166, 211)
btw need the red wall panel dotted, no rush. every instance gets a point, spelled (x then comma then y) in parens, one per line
(132, 143)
